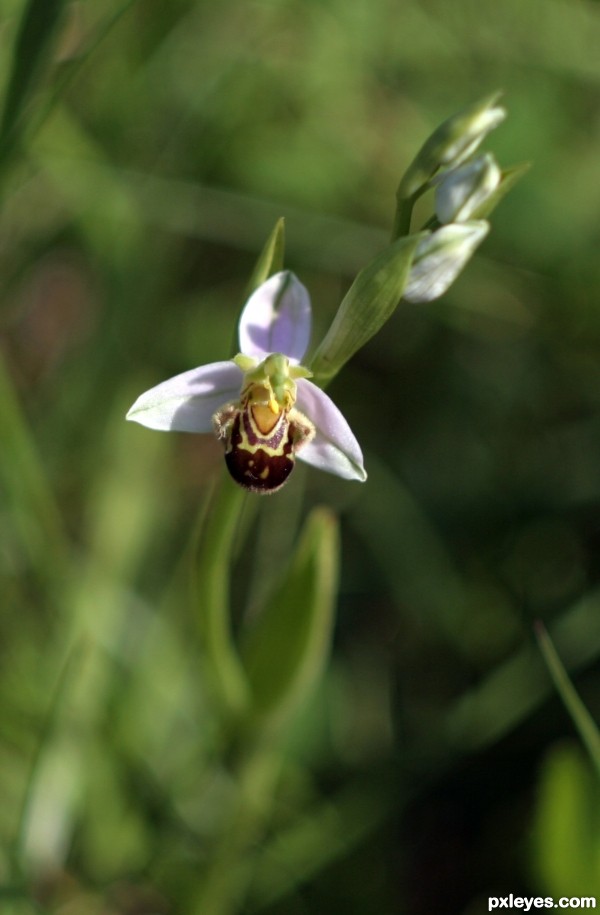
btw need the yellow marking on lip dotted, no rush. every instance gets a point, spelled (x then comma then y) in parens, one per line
(265, 418)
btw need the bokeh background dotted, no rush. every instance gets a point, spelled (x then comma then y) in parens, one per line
(148, 149)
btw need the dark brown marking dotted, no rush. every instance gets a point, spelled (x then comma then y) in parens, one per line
(259, 470)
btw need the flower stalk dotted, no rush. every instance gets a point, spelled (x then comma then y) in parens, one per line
(267, 409)
(419, 266)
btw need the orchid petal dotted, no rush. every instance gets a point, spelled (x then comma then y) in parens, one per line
(334, 447)
(460, 192)
(187, 402)
(276, 319)
(440, 257)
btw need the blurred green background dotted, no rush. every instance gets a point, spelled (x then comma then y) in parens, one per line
(147, 149)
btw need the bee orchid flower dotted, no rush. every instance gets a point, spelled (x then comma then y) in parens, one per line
(261, 404)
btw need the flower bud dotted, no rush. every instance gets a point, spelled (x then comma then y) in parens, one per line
(439, 258)
(453, 142)
(461, 191)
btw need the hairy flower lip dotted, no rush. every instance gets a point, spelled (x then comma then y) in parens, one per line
(275, 319)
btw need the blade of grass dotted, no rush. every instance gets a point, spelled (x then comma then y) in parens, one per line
(517, 686)
(33, 45)
(37, 31)
(68, 72)
(125, 508)
(32, 508)
(583, 721)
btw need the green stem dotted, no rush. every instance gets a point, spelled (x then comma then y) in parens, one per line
(403, 215)
(229, 868)
(212, 593)
(583, 721)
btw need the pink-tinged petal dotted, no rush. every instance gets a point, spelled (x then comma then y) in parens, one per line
(334, 447)
(187, 402)
(276, 319)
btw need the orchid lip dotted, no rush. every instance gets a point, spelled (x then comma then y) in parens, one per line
(275, 322)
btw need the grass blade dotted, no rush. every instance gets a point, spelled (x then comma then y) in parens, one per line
(583, 721)
(32, 49)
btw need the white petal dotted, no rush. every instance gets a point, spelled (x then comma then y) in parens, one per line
(334, 447)
(440, 257)
(187, 402)
(276, 319)
(461, 191)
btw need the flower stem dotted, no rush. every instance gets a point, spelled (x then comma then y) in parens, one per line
(229, 868)
(403, 215)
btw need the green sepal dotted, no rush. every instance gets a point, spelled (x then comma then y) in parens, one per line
(286, 650)
(368, 304)
(271, 257)
(510, 176)
(450, 143)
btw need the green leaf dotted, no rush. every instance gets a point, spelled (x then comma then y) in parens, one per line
(368, 304)
(286, 650)
(29, 502)
(566, 844)
(218, 535)
(33, 46)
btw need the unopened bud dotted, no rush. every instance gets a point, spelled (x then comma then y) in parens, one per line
(453, 142)
(461, 192)
(440, 257)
